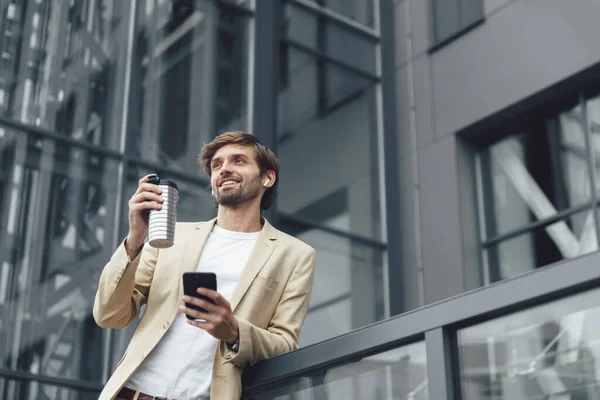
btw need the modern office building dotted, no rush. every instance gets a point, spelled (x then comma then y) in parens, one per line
(442, 157)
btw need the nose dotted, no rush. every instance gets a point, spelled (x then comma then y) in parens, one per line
(225, 169)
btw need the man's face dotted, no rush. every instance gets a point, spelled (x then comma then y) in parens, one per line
(235, 175)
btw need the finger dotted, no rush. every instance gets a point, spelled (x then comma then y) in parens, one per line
(216, 296)
(194, 313)
(145, 206)
(147, 197)
(146, 178)
(200, 324)
(208, 306)
(148, 187)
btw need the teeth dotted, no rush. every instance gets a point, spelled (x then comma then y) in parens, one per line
(228, 183)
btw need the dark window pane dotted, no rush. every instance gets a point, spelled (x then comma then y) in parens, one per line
(593, 121)
(449, 17)
(350, 48)
(471, 11)
(301, 26)
(572, 237)
(335, 40)
(446, 18)
(361, 11)
(341, 86)
(535, 174)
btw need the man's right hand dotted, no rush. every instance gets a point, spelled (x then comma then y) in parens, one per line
(146, 198)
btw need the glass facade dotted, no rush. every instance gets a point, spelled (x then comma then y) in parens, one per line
(95, 94)
(189, 79)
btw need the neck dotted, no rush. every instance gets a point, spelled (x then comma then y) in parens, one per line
(241, 218)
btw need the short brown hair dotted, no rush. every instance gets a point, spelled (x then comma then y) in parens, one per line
(265, 158)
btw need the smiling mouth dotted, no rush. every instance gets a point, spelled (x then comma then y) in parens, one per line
(229, 182)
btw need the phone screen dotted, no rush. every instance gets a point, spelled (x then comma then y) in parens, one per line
(194, 280)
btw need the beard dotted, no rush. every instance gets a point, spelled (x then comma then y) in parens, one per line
(240, 195)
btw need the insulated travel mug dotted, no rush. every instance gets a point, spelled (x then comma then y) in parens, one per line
(161, 228)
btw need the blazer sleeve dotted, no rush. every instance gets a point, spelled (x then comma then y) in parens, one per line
(123, 287)
(282, 334)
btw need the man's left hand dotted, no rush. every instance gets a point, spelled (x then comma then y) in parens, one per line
(219, 320)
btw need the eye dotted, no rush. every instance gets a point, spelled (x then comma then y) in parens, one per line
(239, 161)
(215, 165)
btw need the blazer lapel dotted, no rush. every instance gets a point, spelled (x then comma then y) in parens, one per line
(193, 248)
(265, 245)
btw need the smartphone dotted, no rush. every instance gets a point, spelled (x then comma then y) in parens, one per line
(194, 280)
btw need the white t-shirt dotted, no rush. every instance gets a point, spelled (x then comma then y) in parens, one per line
(180, 366)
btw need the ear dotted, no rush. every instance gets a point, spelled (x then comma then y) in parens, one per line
(269, 179)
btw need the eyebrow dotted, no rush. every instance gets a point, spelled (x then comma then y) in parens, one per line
(235, 156)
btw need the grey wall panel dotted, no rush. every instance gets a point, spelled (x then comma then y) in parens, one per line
(403, 111)
(408, 243)
(401, 55)
(520, 50)
(421, 25)
(440, 225)
(424, 111)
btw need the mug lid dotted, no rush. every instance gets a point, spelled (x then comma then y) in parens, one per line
(167, 183)
(155, 179)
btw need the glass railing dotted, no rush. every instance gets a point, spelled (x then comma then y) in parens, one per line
(539, 341)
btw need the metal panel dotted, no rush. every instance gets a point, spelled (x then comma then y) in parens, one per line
(400, 32)
(390, 156)
(423, 92)
(402, 110)
(440, 224)
(266, 68)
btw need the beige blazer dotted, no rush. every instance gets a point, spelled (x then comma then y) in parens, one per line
(270, 301)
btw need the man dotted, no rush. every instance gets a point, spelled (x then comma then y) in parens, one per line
(264, 281)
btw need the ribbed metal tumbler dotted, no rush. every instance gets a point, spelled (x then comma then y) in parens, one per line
(161, 230)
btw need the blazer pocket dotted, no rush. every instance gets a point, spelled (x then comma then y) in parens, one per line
(260, 297)
(266, 282)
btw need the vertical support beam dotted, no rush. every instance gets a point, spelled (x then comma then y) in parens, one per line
(440, 374)
(109, 338)
(390, 158)
(266, 78)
